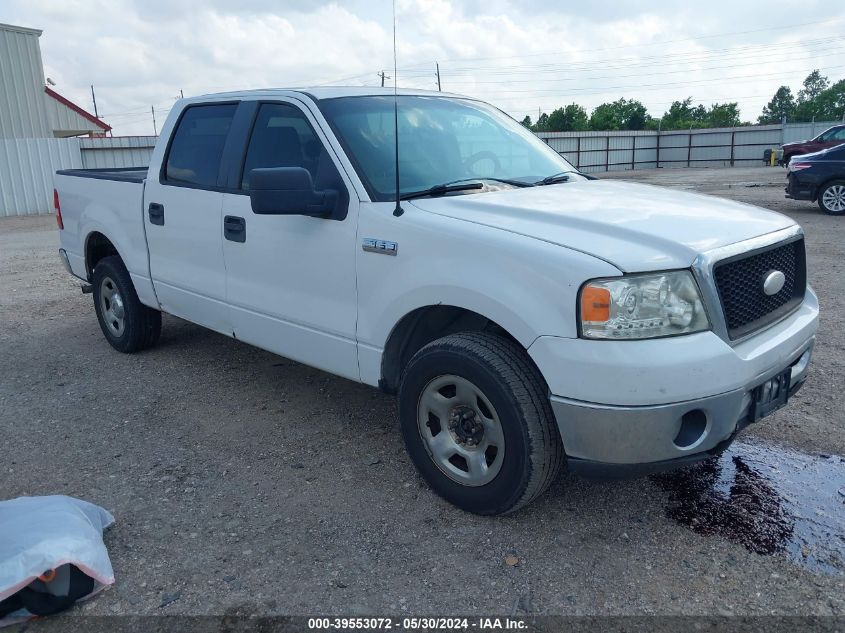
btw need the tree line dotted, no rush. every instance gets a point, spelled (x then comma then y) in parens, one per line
(817, 99)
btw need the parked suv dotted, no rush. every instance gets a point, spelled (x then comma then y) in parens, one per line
(829, 138)
(526, 315)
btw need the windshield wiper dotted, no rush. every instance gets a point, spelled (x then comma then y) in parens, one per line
(515, 183)
(562, 176)
(439, 190)
(464, 184)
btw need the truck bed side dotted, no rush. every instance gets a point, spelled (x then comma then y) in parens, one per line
(106, 204)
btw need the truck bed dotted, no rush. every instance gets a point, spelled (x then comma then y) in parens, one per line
(122, 174)
(105, 202)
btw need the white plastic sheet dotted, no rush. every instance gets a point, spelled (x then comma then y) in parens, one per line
(38, 534)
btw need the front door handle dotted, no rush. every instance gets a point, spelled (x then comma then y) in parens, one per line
(234, 228)
(156, 213)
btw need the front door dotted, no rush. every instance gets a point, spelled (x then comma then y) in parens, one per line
(182, 218)
(290, 279)
(831, 138)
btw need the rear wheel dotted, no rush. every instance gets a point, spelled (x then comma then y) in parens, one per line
(832, 198)
(477, 423)
(128, 325)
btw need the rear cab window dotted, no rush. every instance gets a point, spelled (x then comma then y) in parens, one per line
(196, 148)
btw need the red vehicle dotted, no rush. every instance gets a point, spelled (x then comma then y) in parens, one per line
(828, 138)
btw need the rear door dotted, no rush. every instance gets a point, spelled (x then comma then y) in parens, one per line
(183, 220)
(291, 278)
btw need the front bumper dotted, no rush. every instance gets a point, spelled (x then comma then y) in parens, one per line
(608, 441)
(628, 407)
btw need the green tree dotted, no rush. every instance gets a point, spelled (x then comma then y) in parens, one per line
(682, 115)
(781, 106)
(830, 103)
(542, 124)
(572, 118)
(807, 107)
(622, 114)
(723, 115)
(527, 122)
(814, 85)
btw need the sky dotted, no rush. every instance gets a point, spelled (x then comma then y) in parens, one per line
(521, 55)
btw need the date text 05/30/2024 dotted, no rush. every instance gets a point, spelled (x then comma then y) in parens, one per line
(417, 624)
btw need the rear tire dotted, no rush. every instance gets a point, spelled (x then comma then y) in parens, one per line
(128, 325)
(477, 423)
(832, 198)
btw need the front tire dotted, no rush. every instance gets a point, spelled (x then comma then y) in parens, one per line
(477, 423)
(128, 325)
(832, 198)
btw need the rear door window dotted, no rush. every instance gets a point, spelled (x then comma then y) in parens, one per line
(197, 146)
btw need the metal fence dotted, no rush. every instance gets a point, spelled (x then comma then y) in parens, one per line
(27, 166)
(646, 149)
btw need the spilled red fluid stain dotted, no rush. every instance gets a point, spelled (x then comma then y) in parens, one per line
(770, 500)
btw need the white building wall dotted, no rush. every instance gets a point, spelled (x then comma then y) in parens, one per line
(63, 119)
(118, 151)
(23, 112)
(27, 166)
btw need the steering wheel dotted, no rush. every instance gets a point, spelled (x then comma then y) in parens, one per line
(470, 162)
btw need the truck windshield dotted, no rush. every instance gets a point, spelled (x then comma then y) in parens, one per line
(441, 140)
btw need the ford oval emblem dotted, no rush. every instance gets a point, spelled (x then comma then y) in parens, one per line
(773, 282)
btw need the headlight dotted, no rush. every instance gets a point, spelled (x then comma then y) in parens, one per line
(642, 306)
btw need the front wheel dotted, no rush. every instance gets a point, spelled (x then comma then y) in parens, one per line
(477, 423)
(832, 198)
(128, 325)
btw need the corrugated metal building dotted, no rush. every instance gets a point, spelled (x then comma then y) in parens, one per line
(36, 129)
(23, 108)
(68, 119)
(29, 109)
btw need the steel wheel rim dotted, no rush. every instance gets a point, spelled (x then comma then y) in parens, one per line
(834, 198)
(468, 457)
(112, 307)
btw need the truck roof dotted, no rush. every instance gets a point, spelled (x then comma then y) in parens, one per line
(325, 92)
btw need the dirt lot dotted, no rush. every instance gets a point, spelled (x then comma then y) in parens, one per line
(246, 483)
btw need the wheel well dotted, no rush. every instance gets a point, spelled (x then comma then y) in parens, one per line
(817, 191)
(418, 328)
(96, 247)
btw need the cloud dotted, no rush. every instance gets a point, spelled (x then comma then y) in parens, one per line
(519, 55)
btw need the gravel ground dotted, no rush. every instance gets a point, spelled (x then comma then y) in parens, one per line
(246, 483)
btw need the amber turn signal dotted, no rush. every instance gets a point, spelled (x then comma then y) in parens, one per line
(595, 304)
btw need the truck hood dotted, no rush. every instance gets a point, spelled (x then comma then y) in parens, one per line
(635, 227)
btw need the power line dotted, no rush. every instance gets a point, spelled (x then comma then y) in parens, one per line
(630, 63)
(651, 73)
(692, 57)
(658, 86)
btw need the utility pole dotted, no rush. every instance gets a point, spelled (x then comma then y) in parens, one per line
(438, 75)
(94, 99)
(155, 129)
(383, 77)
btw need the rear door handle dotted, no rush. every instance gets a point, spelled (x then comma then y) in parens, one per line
(156, 213)
(234, 228)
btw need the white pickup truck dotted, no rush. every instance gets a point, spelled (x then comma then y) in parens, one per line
(527, 315)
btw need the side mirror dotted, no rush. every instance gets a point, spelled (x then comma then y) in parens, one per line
(288, 191)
